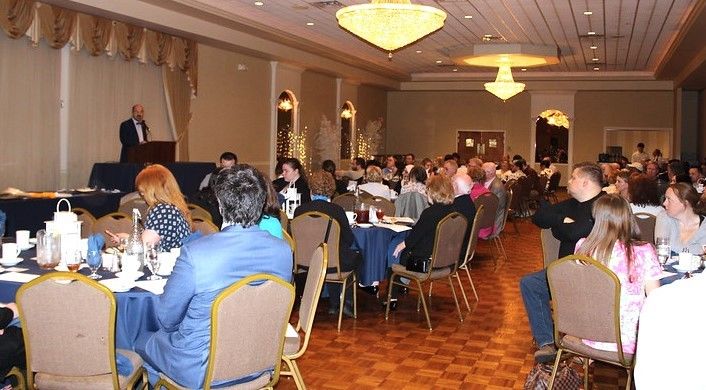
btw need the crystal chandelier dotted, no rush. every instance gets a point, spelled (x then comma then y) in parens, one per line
(285, 104)
(346, 114)
(504, 85)
(555, 118)
(390, 24)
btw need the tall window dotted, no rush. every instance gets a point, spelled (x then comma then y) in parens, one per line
(552, 130)
(347, 126)
(286, 109)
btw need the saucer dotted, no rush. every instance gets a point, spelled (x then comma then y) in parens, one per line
(680, 268)
(10, 262)
(130, 276)
(33, 241)
(365, 225)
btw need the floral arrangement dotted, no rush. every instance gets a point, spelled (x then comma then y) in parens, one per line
(327, 143)
(369, 139)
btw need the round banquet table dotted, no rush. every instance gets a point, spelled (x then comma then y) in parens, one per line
(136, 309)
(376, 245)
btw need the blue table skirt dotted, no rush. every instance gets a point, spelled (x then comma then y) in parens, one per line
(376, 244)
(137, 309)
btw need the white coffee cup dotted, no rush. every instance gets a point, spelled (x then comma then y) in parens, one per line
(10, 251)
(129, 264)
(351, 217)
(22, 238)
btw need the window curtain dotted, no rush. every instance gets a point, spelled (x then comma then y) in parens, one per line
(178, 101)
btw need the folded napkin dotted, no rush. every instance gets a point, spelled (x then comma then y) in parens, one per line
(124, 364)
(95, 242)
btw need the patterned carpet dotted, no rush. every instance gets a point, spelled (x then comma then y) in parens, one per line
(491, 349)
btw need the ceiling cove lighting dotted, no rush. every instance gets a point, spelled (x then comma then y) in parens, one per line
(390, 24)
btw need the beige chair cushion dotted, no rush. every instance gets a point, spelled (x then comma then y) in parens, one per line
(96, 382)
(291, 345)
(574, 344)
(401, 270)
(334, 277)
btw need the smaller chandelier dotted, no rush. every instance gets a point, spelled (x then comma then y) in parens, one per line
(285, 104)
(346, 114)
(390, 24)
(555, 118)
(504, 85)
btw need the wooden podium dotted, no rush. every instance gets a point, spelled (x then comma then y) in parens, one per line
(158, 152)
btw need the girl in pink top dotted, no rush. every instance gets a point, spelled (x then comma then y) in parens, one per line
(477, 174)
(612, 242)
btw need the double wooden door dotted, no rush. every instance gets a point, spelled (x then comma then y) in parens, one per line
(486, 145)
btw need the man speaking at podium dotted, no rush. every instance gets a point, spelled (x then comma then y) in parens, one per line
(133, 131)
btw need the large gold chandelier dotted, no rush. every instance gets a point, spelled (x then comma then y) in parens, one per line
(504, 85)
(390, 24)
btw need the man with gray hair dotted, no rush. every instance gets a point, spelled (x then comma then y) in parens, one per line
(464, 204)
(498, 188)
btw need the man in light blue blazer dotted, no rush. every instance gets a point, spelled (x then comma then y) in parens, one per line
(205, 267)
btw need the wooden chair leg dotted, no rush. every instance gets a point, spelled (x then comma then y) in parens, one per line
(453, 293)
(424, 304)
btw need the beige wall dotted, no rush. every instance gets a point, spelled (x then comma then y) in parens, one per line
(318, 98)
(372, 104)
(232, 110)
(596, 111)
(426, 123)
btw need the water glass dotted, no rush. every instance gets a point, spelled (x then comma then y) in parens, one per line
(94, 259)
(152, 260)
(663, 249)
(73, 261)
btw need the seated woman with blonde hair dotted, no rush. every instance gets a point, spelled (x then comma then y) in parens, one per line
(168, 219)
(613, 242)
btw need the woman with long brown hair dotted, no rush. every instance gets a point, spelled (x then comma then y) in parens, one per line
(680, 221)
(613, 241)
(168, 219)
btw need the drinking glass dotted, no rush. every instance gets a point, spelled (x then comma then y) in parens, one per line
(94, 260)
(663, 249)
(152, 260)
(73, 261)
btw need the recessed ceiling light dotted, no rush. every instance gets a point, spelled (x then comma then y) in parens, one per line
(419, 52)
(595, 59)
(455, 70)
(524, 69)
(593, 47)
(488, 36)
(591, 33)
(309, 23)
(596, 68)
(587, 13)
(468, 16)
(259, 3)
(438, 61)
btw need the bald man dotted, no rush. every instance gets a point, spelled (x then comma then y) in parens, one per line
(133, 131)
(464, 204)
(498, 188)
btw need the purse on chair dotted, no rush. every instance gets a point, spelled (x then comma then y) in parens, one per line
(566, 377)
(416, 263)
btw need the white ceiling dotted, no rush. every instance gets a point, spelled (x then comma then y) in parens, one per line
(631, 35)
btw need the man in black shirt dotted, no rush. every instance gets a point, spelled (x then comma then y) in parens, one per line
(569, 221)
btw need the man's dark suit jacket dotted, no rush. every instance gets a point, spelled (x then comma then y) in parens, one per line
(464, 205)
(128, 137)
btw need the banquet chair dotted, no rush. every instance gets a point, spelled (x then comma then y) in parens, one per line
(17, 373)
(138, 204)
(586, 305)
(309, 231)
(500, 228)
(87, 219)
(294, 347)
(410, 204)
(490, 203)
(292, 245)
(381, 203)
(204, 226)
(550, 246)
(199, 212)
(646, 223)
(68, 324)
(115, 222)
(248, 325)
(470, 252)
(346, 201)
(552, 187)
(364, 195)
(448, 240)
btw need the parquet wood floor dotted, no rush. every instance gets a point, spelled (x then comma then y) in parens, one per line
(491, 349)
